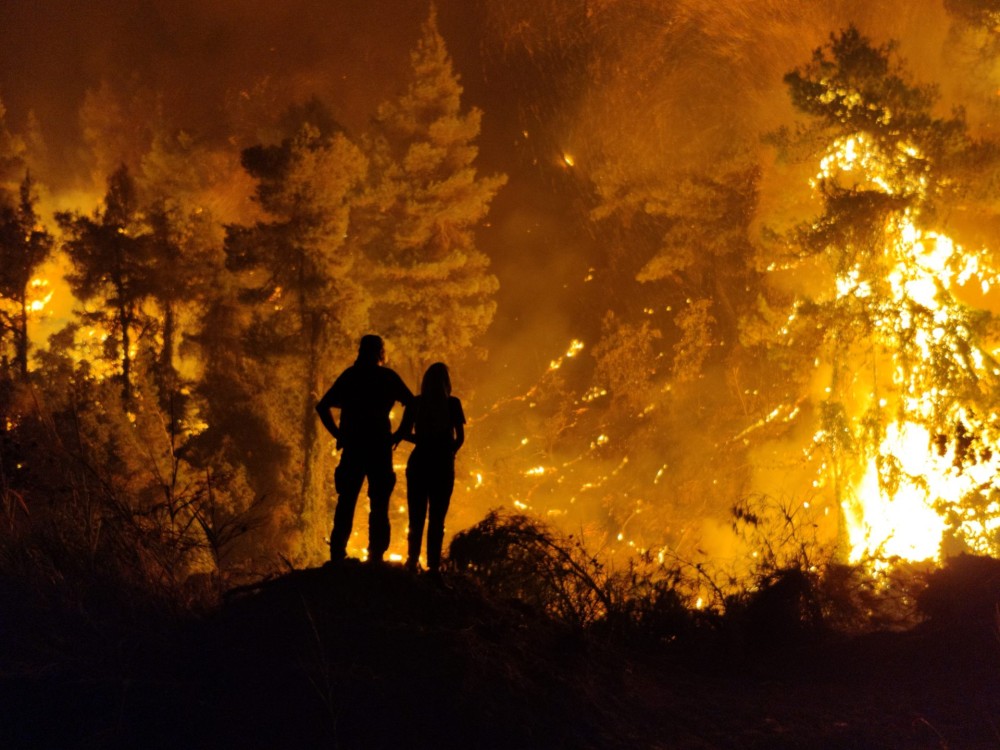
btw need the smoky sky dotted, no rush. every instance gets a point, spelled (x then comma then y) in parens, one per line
(630, 90)
(634, 85)
(200, 54)
(616, 80)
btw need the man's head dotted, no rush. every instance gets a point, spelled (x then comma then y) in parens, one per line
(371, 350)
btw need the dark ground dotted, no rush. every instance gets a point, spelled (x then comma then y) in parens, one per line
(365, 657)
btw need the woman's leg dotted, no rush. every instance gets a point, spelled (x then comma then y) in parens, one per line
(416, 506)
(439, 498)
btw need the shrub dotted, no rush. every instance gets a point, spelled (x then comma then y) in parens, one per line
(521, 558)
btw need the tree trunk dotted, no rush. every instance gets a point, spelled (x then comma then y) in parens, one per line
(167, 375)
(123, 321)
(21, 338)
(167, 353)
(315, 516)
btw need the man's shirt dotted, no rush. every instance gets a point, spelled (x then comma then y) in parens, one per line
(365, 395)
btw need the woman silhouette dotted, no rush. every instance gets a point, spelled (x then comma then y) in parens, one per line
(435, 423)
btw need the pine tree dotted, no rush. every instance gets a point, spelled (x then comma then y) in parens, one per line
(300, 268)
(432, 286)
(109, 254)
(24, 245)
(186, 254)
(13, 151)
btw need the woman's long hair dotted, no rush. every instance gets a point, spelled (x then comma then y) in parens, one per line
(435, 388)
(436, 385)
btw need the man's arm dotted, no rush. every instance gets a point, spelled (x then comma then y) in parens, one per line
(404, 396)
(405, 431)
(324, 409)
(402, 392)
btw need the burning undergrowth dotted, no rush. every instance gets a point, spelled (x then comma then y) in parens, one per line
(793, 588)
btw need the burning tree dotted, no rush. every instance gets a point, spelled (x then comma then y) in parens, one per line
(895, 363)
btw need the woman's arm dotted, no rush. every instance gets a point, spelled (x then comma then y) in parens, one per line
(458, 423)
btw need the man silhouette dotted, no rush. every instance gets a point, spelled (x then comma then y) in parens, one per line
(365, 393)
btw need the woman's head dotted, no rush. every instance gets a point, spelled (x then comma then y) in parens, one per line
(436, 382)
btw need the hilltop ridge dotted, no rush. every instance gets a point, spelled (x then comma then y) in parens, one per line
(360, 656)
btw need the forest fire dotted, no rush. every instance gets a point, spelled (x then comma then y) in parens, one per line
(716, 287)
(837, 353)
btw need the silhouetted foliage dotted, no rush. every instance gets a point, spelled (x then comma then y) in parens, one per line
(797, 586)
(110, 254)
(518, 557)
(965, 590)
(982, 12)
(24, 245)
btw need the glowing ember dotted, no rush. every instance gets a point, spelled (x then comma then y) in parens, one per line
(41, 295)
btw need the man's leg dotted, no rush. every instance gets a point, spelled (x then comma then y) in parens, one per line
(381, 481)
(348, 478)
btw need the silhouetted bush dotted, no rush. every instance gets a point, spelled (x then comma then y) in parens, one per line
(791, 591)
(514, 556)
(783, 610)
(100, 513)
(797, 586)
(965, 590)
